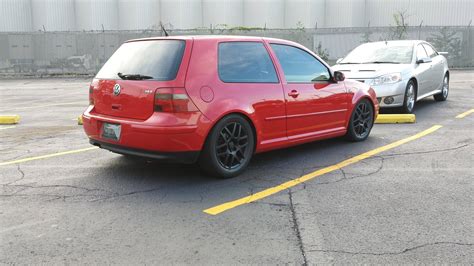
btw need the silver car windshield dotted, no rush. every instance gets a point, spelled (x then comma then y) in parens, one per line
(379, 53)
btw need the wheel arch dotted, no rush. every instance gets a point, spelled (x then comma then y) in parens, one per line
(415, 81)
(355, 102)
(239, 113)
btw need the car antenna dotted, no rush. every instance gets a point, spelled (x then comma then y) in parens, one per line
(163, 29)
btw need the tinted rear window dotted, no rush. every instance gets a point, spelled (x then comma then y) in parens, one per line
(245, 62)
(159, 59)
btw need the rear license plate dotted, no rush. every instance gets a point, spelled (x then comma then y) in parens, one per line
(111, 131)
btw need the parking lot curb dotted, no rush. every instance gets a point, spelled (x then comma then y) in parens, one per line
(9, 119)
(79, 120)
(395, 119)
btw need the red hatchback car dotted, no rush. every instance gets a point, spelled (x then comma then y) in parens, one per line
(217, 100)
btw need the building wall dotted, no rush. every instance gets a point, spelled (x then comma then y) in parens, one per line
(181, 14)
(425, 12)
(305, 13)
(98, 15)
(230, 13)
(53, 15)
(15, 15)
(139, 14)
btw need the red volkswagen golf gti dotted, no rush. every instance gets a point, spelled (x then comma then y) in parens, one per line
(218, 100)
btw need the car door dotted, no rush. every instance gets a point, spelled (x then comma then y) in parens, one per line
(423, 71)
(436, 71)
(315, 104)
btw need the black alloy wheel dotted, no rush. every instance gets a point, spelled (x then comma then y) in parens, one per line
(361, 122)
(232, 142)
(228, 148)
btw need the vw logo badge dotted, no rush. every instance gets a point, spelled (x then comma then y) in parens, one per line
(117, 89)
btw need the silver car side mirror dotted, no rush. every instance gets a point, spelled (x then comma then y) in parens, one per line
(424, 60)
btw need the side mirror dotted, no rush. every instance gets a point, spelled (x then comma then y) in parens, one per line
(339, 76)
(339, 60)
(443, 53)
(424, 60)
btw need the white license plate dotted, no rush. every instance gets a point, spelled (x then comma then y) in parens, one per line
(111, 131)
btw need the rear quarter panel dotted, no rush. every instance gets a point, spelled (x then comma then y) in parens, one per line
(216, 99)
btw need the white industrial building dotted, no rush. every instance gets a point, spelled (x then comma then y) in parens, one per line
(98, 15)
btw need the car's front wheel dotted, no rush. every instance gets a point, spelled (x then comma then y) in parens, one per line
(228, 148)
(361, 122)
(410, 98)
(443, 95)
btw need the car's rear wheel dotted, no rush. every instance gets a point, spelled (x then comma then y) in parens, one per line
(443, 95)
(410, 98)
(228, 148)
(361, 122)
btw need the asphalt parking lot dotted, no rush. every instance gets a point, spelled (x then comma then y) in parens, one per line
(62, 201)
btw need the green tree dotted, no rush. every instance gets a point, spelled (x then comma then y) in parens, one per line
(367, 35)
(323, 53)
(446, 40)
(400, 30)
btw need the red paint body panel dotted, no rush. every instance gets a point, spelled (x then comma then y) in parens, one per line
(321, 110)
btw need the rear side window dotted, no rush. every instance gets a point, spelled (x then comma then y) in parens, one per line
(429, 50)
(420, 52)
(159, 59)
(245, 62)
(299, 66)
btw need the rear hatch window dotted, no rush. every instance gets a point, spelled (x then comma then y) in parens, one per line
(158, 59)
(136, 70)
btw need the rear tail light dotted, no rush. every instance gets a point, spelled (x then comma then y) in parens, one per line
(173, 100)
(91, 95)
(94, 84)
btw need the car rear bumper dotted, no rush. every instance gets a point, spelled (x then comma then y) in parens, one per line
(181, 157)
(150, 138)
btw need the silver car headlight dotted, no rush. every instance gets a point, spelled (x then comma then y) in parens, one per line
(387, 79)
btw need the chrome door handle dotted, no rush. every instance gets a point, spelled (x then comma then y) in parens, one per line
(293, 93)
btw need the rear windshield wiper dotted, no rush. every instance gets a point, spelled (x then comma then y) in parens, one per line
(133, 76)
(382, 62)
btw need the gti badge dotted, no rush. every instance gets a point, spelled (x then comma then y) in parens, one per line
(117, 89)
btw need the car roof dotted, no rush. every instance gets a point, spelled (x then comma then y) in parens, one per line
(210, 37)
(399, 42)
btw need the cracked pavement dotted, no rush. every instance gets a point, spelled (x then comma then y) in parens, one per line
(411, 204)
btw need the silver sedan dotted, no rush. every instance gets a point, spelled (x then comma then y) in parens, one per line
(401, 72)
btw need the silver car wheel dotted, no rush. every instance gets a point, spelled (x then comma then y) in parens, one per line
(410, 97)
(445, 87)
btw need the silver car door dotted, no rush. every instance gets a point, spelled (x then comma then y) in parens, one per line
(437, 74)
(422, 71)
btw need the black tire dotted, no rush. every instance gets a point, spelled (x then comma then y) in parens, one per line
(361, 122)
(229, 147)
(409, 100)
(443, 95)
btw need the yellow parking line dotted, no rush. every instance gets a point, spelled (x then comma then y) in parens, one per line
(48, 156)
(273, 190)
(7, 127)
(465, 114)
